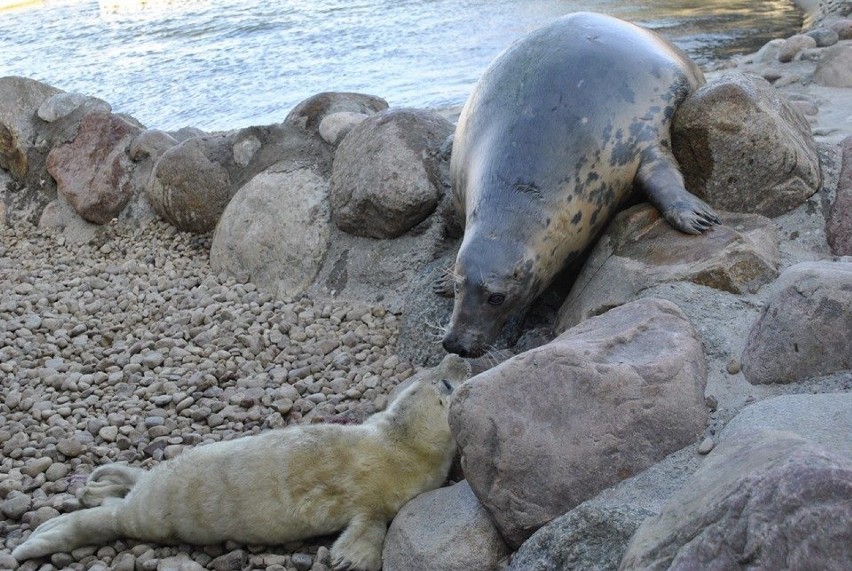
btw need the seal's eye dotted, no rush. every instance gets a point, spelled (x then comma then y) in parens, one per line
(445, 386)
(496, 298)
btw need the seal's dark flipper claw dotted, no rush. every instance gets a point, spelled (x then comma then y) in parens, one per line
(659, 175)
(445, 285)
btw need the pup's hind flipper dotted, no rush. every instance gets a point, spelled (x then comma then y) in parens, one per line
(68, 532)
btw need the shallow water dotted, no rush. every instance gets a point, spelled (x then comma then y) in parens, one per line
(223, 64)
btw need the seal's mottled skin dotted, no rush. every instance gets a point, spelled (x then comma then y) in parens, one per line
(280, 486)
(551, 141)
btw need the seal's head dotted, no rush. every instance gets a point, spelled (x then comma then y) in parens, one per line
(494, 282)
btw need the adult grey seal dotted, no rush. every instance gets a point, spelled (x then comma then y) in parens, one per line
(550, 142)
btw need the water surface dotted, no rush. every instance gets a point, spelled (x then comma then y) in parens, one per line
(223, 64)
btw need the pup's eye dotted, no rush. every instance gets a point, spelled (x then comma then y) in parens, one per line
(496, 298)
(445, 386)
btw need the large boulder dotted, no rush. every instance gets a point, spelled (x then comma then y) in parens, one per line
(772, 500)
(587, 537)
(443, 530)
(388, 173)
(193, 181)
(310, 113)
(838, 227)
(805, 330)
(94, 171)
(794, 45)
(276, 230)
(20, 99)
(825, 419)
(23, 150)
(743, 148)
(552, 427)
(63, 104)
(640, 250)
(835, 67)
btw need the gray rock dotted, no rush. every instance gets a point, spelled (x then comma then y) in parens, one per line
(23, 150)
(276, 231)
(310, 113)
(178, 563)
(59, 215)
(387, 174)
(94, 171)
(588, 537)
(63, 104)
(602, 402)
(7, 561)
(151, 143)
(191, 183)
(843, 29)
(425, 315)
(743, 148)
(640, 250)
(302, 561)
(838, 227)
(769, 52)
(824, 37)
(381, 271)
(231, 561)
(20, 99)
(443, 530)
(793, 46)
(336, 126)
(805, 330)
(825, 419)
(14, 506)
(835, 67)
(768, 501)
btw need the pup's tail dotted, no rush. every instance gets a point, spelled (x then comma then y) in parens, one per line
(68, 532)
(110, 481)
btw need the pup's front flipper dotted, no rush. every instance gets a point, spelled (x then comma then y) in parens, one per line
(67, 532)
(659, 176)
(359, 547)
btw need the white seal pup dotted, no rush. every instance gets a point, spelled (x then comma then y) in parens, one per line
(549, 144)
(279, 486)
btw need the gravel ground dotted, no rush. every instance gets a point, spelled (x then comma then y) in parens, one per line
(131, 349)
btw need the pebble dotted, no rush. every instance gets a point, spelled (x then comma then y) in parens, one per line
(15, 506)
(733, 366)
(302, 561)
(133, 350)
(706, 446)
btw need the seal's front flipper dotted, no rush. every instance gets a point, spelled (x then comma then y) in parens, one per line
(445, 285)
(359, 547)
(659, 176)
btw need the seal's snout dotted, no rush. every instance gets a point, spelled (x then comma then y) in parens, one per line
(453, 344)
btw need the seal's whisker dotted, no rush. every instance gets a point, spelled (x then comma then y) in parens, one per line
(495, 356)
(436, 329)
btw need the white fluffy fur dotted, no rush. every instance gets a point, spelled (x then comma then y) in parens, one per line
(279, 486)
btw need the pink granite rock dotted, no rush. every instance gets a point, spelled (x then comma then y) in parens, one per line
(94, 171)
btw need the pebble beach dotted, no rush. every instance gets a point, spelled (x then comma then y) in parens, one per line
(131, 349)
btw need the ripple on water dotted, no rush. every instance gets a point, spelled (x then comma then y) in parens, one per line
(228, 64)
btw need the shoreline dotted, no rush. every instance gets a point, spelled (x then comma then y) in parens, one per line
(130, 348)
